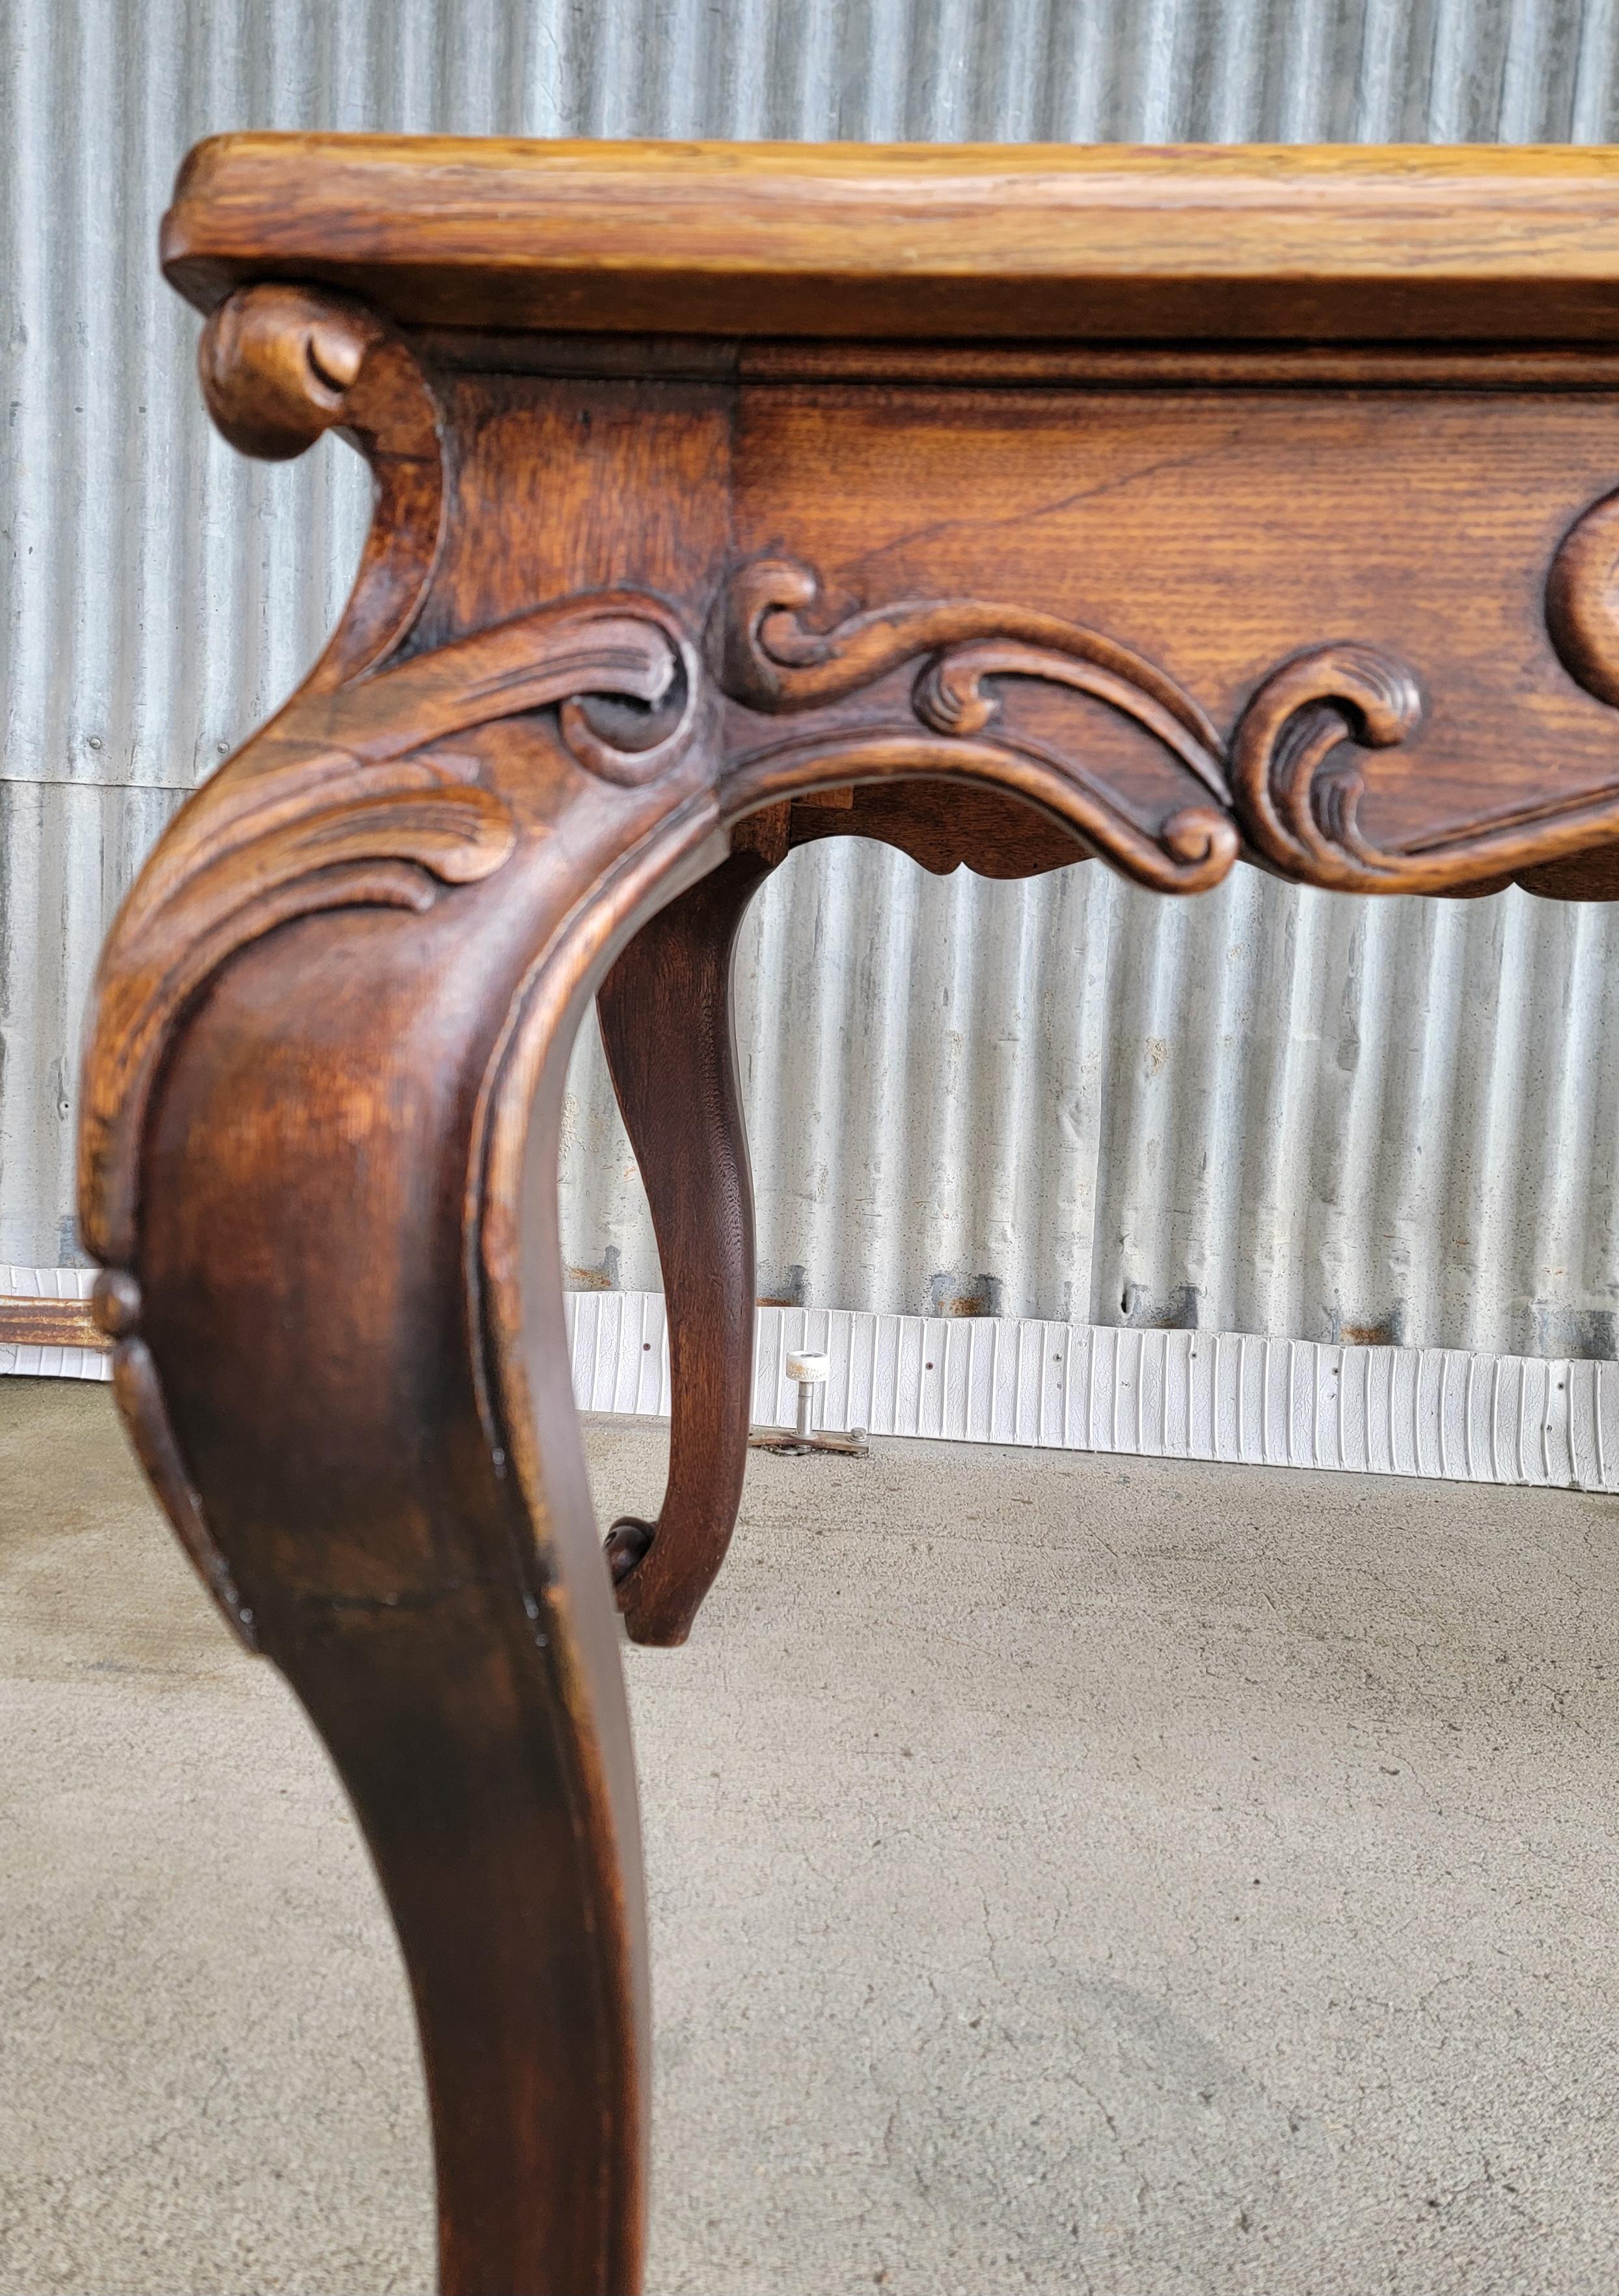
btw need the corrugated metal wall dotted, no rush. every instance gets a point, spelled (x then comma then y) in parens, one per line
(1265, 1110)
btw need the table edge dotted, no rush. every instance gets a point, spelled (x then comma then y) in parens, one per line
(986, 241)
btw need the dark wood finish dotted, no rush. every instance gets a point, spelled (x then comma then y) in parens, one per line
(666, 1023)
(945, 828)
(669, 572)
(1433, 691)
(319, 1159)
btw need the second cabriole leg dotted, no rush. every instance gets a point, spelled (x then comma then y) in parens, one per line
(666, 1023)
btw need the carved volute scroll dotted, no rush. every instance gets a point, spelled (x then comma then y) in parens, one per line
(279, 366)
(1296, 794)
(354, 794)
(301, 819)
(768, 655)
(772, 658)
(352, 798)
(1297, 781)
(1289, 785)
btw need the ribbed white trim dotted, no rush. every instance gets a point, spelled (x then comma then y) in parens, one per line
(1167, 1395)
(47, 1282)
(1085, 1387)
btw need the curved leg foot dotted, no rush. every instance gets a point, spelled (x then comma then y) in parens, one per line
(666, 1023)
(445, 1620)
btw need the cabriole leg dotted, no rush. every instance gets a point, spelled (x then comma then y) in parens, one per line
(304, 1305)
(666, 1023)
(317, 1162)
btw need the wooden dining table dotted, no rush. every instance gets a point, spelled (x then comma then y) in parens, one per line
(1022, 508)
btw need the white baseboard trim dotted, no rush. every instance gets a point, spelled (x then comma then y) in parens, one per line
(1088, 1387)
(1162, 1394)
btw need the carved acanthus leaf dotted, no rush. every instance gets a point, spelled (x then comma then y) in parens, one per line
(357, 797)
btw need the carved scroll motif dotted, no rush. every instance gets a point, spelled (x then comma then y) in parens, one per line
(350, 799)
(279, 366)
(770, 660)
(767, 656)
(1296, 790)
(1289, 784)
(371, 788)
(355, 794)
(1297, 785)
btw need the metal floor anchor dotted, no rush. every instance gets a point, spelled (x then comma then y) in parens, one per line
(810, 1372)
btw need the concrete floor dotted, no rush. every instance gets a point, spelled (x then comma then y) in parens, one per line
(1067, 1872)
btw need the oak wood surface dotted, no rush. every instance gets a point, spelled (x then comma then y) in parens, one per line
(1220, 534)
(1048, 242)
(319, 1159)
(669, 572)
(449, 1633)
(944, 829)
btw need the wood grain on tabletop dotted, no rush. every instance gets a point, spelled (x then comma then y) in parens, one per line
(1353, 241)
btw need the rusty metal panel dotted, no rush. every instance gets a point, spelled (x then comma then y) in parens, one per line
(1264, 1111)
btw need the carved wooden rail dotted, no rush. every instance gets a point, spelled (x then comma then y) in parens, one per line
(1016, 507)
